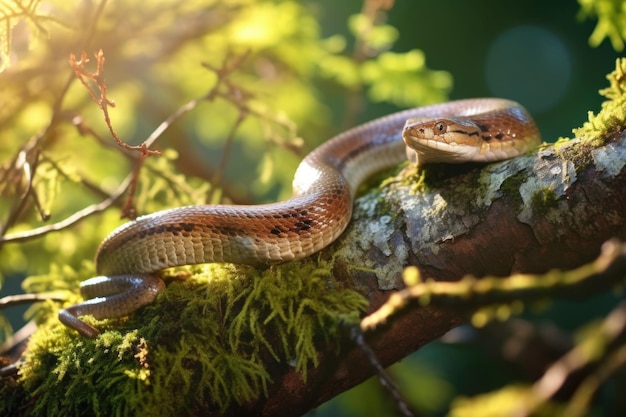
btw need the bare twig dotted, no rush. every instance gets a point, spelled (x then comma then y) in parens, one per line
(70, 220)
(130, 182)
(385, 379)
(19, 299)
(219, 172)
(128, 209)
(603, 349)
(18, 338)
(100, 97)
(23, 169)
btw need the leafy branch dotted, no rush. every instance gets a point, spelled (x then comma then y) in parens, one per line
(100, 97)
(129, 183)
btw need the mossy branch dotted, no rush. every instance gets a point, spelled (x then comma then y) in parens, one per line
(612, 118)
(281, 336)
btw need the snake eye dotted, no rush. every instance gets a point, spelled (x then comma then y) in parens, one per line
(440, 127)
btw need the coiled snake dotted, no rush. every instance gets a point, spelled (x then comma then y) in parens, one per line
(324, 186)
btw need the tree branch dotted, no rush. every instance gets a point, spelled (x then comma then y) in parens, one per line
(553, 209)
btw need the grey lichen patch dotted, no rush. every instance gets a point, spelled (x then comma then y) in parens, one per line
(438, 214)
(549, 172)
(433, 217)
(404, 223)
(610, 159)
(542, 191)
(372, 229)
(494, 176)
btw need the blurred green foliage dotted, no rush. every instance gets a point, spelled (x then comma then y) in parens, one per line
(611, 15)
(156, 62)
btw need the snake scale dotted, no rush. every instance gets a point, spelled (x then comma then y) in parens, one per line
(472, 130)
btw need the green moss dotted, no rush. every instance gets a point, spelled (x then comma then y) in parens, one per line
(612, 117)
(76, 376)
(544, 199)
(580, 155)
(204, 341)
(511, 184)
(419, 178)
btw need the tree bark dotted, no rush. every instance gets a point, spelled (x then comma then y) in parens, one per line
(551, 209)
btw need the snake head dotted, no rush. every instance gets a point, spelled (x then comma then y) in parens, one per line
(442, 140)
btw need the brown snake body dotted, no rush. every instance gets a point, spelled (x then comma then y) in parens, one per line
(324, 187)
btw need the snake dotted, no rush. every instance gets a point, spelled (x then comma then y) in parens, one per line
(324, 186)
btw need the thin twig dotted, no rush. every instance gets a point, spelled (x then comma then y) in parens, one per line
(19, 299)
(100, 97)
(45, 216)
(221, 168)
(84, 182)
(18, 338)
(20, 164)
(70, 220)
(603, 348)
(385, 379)
(128, 209)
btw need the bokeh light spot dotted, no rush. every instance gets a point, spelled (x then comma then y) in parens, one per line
(531, 65)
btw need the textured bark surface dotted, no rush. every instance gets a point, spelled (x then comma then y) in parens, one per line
(552, 209)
